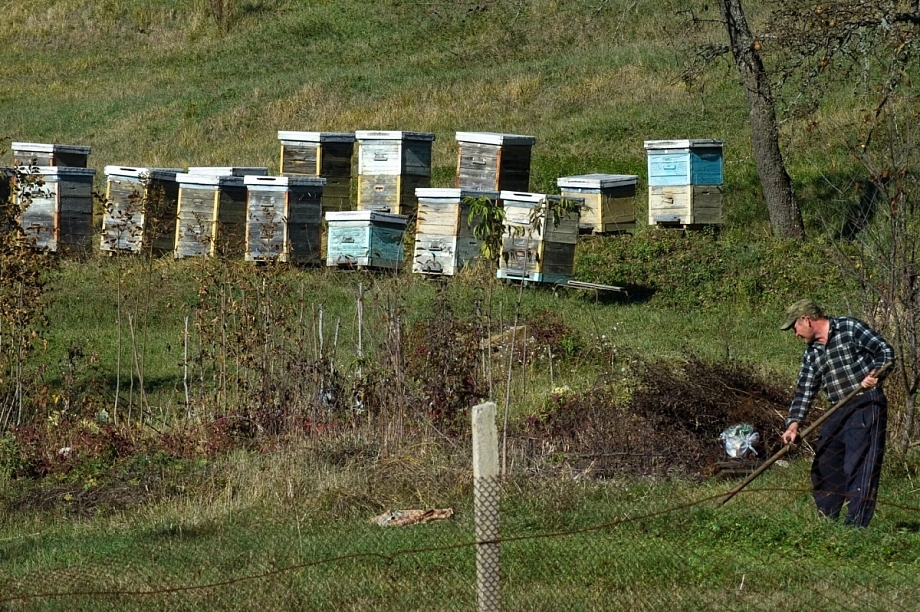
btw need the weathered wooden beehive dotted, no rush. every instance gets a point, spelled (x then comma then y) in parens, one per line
(535, 248)
(324, 154)
(391, 166)
(610, 200)
(444, 240)
(685, 182)
(492, 161)
(140, 210)
(365, 239)
(211, 215)
(283, 218)
(42, 154)
(59, 213)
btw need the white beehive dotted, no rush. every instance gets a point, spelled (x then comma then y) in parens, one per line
(444, 240)
(283, 215)
(46, 154)
(493, 161)
(211, 215)
(140, 209)
(391, 166)
(324, 154)
(59, 214)
(536, 247)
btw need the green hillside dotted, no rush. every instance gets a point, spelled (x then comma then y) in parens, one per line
(163, 84)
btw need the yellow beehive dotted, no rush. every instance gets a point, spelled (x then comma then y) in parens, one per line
(610, 200)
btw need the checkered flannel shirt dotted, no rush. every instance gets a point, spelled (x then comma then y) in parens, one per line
(853, 350)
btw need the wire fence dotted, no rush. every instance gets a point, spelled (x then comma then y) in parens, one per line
(782, 559)
(522, 542)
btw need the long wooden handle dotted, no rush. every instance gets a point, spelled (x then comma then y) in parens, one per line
(785, 449)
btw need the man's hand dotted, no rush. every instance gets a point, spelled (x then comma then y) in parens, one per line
(791, 433)
(870, 381)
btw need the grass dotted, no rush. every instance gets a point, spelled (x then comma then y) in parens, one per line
(291, 538)
(84, 317)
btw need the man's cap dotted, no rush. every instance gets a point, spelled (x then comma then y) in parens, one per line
(802, 308)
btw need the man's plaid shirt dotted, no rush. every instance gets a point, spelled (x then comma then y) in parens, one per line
(853, 350)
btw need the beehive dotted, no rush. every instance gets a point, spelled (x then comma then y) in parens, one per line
(685, 205)
(42, 154)
(324, 154)
(59, 214)
(211, 215)
(685, 181)
(283, 215)
(492, 161)
(610, 200)
(365, 239)
(140, 210)
(444, 240)
(391, 166)
(535, 249)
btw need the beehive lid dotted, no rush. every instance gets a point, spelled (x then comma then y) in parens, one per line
(38, 147)
(315, 137)
(52, 171)
(392, 135)
(684, 144)
(195, 178)
(523, 196)
(494, 138)
(161, 174)
(283, 181)
(228, 170)
(597, 181)
(450, 192)
(366, 215)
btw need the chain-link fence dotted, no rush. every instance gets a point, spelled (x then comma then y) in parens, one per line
(568, 540)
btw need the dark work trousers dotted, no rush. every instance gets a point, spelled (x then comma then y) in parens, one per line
(848, 458)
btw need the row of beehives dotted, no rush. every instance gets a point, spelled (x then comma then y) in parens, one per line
(685, 176)
(236, 211)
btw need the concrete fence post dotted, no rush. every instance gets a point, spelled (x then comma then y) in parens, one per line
(486, 491)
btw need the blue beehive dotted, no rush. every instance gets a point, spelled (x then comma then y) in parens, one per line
(365, 239)
(684, 162)
(685, 182)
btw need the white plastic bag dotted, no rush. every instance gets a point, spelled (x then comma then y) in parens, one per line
(739, 440)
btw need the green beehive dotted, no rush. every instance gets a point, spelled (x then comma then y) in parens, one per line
(365, 239)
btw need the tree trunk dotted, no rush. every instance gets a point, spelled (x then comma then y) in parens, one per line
(785, 216)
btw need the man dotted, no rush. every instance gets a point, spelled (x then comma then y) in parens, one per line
(843, 354)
